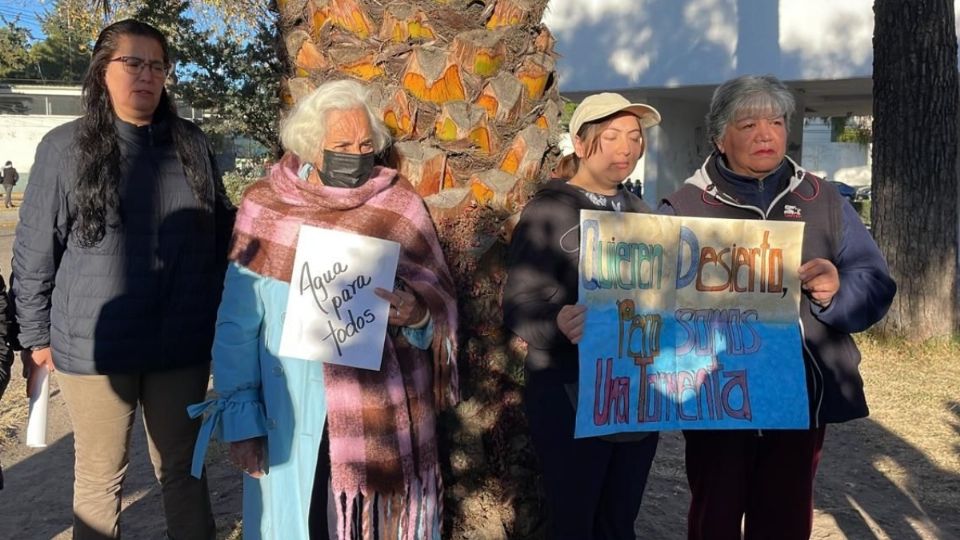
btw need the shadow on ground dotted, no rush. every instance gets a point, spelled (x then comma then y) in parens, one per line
(871, 484)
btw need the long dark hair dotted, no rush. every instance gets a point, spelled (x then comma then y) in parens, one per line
(96, 195)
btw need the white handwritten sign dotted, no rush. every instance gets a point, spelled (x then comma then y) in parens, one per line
(333, 314)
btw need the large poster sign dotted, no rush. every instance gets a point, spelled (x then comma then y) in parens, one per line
(692, 323)
(333, 314)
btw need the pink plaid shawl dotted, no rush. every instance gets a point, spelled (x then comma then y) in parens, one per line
(381, 423)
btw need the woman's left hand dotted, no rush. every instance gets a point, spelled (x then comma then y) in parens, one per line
(405, 308)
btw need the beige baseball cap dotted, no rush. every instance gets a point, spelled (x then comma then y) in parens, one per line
(599, 106)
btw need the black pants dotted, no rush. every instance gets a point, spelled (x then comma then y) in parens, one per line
(9, 201)
(317, 521)
(594, 487)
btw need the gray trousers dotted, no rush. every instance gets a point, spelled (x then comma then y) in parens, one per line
(102, 409)
(9, 200)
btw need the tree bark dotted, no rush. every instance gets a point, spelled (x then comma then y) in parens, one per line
(915, 168)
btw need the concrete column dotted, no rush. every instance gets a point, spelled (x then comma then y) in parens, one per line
(795, 137)
(675, 148)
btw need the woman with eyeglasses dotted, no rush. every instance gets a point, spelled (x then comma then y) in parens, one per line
(118, 265)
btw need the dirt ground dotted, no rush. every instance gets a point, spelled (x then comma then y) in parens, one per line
(893, 476)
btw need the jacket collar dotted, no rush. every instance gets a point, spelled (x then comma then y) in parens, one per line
(560, 187)
(702, 179)
(155, 133)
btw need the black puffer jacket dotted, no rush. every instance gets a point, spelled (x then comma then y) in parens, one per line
(145, 297)
(6, 350)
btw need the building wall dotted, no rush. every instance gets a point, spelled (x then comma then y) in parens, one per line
(847, 162)
(19, 137)
(676, 148)
(619, 44)
(679, 145)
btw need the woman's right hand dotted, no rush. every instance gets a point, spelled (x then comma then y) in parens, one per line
(247, 455)
(571, 321)
(33, 359)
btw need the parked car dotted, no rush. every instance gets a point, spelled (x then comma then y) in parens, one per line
(847, 191)
(863, 193)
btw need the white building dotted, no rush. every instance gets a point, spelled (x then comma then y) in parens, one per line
(28, 112)
(673, 53)
(847, 162)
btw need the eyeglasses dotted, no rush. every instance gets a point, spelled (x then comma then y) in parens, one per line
(134, 65)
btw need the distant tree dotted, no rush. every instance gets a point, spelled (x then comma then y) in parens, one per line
(64, 54)
(239, 81)
(851, 129)
(14, 49)
(915, 170)
(231, 70)
(170, 17)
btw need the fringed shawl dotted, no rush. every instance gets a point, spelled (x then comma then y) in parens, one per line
(381, 424)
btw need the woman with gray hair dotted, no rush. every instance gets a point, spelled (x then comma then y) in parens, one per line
(765, 479)
(314, 435)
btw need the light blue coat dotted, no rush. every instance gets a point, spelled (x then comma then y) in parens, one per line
(264, 394)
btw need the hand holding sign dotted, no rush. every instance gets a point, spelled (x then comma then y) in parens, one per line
(405, 310)
(571, 320)
(333, 314)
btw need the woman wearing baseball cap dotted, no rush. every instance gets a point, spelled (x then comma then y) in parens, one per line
(593, 485)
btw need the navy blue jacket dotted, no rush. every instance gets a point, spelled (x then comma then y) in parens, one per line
(834, 231)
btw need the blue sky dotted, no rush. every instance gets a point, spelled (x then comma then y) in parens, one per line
(28, 12)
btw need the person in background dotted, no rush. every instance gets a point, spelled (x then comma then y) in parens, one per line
(6, 346)
(10, 178)
(312, 435)
(594, 486)
(118, 264)
(764, 480)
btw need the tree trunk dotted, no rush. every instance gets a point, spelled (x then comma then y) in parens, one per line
(469, 91)
(915, 182)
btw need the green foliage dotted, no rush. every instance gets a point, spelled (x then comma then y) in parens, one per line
(230, 70)
(567, 113)
(236, 183)
(859, 135)
(170, 18)
(239, 82)
(863, 210)
(60, 58)
(14, 49)
(63, 56)
(849, 129)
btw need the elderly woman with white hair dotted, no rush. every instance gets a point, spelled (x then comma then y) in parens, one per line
(317, 439)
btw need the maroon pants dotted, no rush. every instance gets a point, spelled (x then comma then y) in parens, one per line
(763, 478)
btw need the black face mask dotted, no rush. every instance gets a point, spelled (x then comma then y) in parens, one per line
(346, 170)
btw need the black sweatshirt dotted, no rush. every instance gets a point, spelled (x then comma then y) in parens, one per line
(542, 273)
